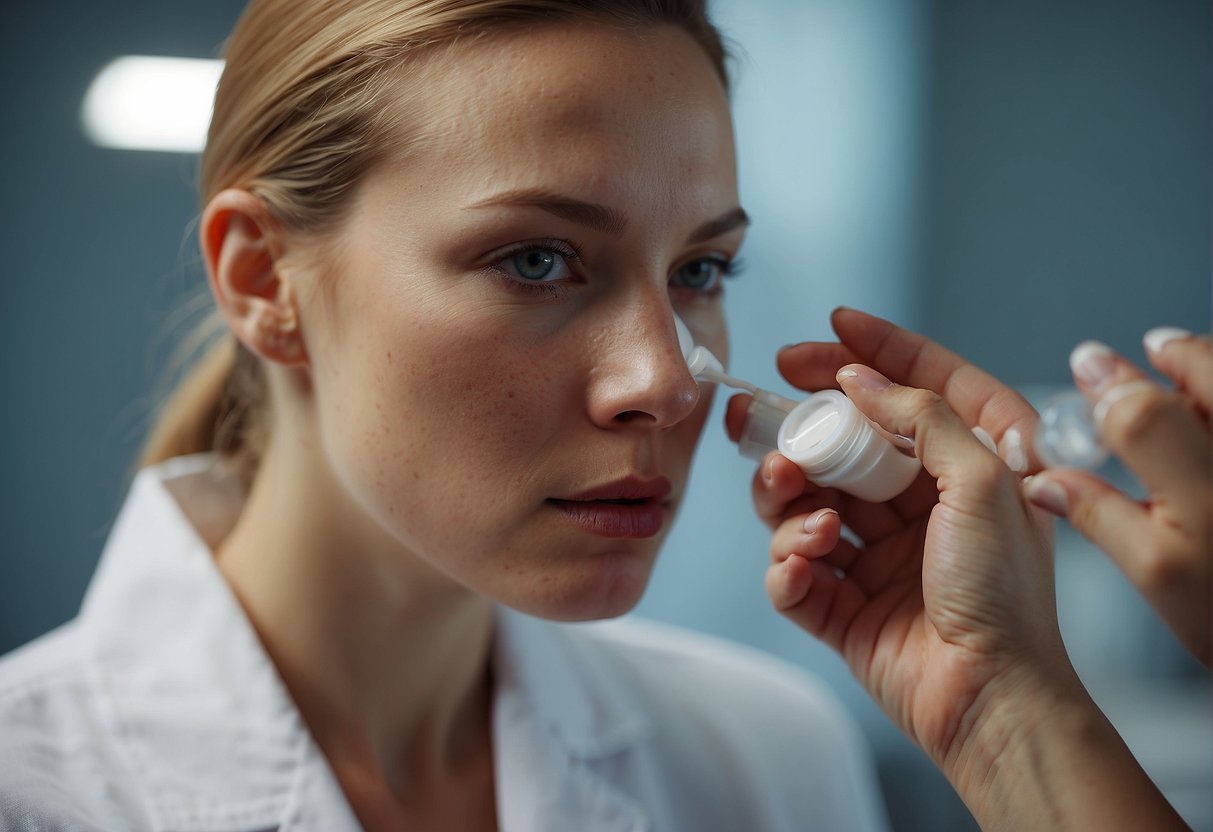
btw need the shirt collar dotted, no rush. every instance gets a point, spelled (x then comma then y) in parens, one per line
(560, 718)
(556, 670)
(183, 680)
(212, 732)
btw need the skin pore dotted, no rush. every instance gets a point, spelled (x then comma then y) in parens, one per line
(488, 333)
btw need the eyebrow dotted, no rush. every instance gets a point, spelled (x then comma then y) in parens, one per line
(604, 218)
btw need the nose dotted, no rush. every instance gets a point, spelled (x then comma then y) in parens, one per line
(640, 377)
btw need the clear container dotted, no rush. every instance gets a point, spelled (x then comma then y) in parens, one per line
(1066, 435)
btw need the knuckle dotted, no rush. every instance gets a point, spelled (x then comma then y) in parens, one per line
(993, 480)
(1132, 418)
(925, 401)
(1163, 567)
(1091, 515)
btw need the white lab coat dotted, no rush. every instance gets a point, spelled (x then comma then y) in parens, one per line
(158, 709)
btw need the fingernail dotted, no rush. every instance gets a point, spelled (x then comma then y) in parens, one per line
(811, 523)
(903, 442)
(865, 377)
(1093, 364)
(768, 471)
(1048, 495)
(1013, 452)
(1160, 336)
(983, 436)
(787, 347)
(1111, 397)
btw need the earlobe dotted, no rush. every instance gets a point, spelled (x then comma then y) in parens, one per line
(243, 245)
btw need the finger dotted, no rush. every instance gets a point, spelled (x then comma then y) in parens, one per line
(735, 415)
(943, 442)
(788, 583)
(841, 554)
(810, 536)
(778, 482)
(1168, 561)
(1153, 431)
(1186, 360)
(1103, 515)
(779, 489)
(816, 597)
(867, 521)
(813, 365)
(973, 394)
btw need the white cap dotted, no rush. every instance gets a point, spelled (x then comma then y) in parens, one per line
(766, 412)
(836, 446)
(686, 342)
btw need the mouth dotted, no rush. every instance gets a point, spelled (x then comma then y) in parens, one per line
(629, 508)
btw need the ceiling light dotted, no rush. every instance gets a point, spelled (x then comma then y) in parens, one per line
(139, 102)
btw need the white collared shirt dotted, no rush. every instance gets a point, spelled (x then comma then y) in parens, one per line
(158, 709)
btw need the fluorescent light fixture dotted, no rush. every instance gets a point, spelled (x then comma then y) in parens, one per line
(139, 102)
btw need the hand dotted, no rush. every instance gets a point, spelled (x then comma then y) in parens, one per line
(1164, 544)
(950, 584)
(944, 606)
(949, 590)
(977, 397)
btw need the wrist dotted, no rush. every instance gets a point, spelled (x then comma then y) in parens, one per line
(1036, 752)
(999, 734)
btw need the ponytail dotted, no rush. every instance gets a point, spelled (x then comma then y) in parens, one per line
(216, 406)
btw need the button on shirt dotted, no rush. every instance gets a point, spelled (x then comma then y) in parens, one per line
(158, 709)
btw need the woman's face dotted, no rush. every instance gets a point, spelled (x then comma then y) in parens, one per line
(496, 375)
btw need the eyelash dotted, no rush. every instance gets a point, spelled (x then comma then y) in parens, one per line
(728, 268)
(568, 250)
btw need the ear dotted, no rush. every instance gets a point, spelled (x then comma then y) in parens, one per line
(242, 245)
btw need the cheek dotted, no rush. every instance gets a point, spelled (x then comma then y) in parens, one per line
(438, 422)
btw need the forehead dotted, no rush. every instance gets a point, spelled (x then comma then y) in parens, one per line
(605, 108)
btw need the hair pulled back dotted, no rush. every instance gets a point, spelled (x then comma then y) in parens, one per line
(302, 112)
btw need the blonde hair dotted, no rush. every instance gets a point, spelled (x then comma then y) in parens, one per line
(302, 112)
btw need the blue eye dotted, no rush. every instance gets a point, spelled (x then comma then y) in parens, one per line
(535, 264)
(702, 275)
(538, 264)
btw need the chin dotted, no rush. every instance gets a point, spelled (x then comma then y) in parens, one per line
(608, 587)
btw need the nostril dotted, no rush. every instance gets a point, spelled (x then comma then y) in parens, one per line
(634, 416)
(666, 406)
(646, 382)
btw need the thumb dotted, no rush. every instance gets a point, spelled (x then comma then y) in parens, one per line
(942, 441)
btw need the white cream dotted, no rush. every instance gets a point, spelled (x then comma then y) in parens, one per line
(815, 431)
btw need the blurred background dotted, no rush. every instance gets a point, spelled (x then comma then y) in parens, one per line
(1009, 178)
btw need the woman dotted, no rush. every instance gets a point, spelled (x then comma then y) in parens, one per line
(449, 239)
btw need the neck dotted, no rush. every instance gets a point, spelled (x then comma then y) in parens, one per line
(386, 659)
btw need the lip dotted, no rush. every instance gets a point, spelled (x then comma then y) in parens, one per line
(596, 510)
(627, 488)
